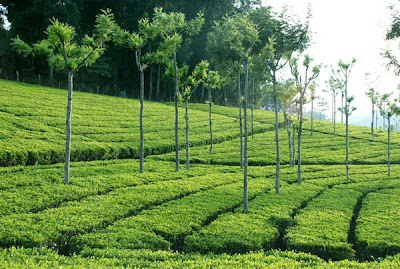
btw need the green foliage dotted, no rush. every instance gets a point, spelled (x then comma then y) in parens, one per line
(256, 230)
(165, 226)
(98, 131)
(61, 49)
(377, 226)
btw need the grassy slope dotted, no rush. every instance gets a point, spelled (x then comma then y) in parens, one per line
(104, 195)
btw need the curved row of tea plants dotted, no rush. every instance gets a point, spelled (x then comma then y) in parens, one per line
(53, 227)
(33, 126)
(166, 226)
(114, 258)
(377, 230)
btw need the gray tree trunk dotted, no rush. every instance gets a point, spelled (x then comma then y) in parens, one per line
(342, 111)
(68, 127)
(187, 133)
(312, 117)
(151, 82)
(294, 148)
(347, 135)
(252, 111)
(141, 119)
(388, 145)
(299, 179)
(176, 116)
(202, 93)
(51, 75)
(210, 120)
(278, 156)
(17, 75)
(225, 99)
(372, 123)
(246, 88)
(240, 121)
(288, 127)
(376, 121)
(334, 115)
(158, 82)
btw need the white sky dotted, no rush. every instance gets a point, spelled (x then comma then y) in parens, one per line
(343, 29)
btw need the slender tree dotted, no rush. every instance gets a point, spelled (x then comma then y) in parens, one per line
(175, 26)
(136, 41)
(388, 109)
(213, 82)
(341, 75)
(313, 96)
(280, 37)
(334, 88)
(373, 95)
(63, 52)
(287, 92)
(303, 81)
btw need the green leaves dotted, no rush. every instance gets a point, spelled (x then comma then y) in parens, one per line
(61, 48)
(59, 33)
(21, 47)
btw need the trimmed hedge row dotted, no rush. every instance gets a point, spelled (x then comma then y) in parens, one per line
(165, 226)
(113, 258)
(320, 149)
(48, 189)
(256, 230)
(33, 126)
(53, 227)
(322, 227)
(377, 230)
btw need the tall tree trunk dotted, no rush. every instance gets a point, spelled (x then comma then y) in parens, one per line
(288, 127)
(240, 121)
(246, 88)
(150, 76)
(388, 145)
(187, 133)
(278, 156)
(225, 99)
(294, 147)
(17, 75)
(202, 93)
(176, 116)
(347, 134)
(312, 117)
(68, 127)
(252, 111)
(141, 120)
(158, 82)
(299, 139)
(342, 111)
(372, 123)
(210, 120)
(383, 119)
(151, 82)
(51, 75)
(334, 115)
(376, 120)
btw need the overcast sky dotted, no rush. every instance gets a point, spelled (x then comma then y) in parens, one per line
(343, 29)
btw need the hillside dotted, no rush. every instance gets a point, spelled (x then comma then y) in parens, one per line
(112, 216)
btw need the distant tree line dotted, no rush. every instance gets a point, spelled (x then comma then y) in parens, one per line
(113, 73)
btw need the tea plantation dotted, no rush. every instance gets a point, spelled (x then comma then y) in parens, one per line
(110, 216)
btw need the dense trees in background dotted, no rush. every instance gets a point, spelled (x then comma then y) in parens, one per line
(113, 74)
